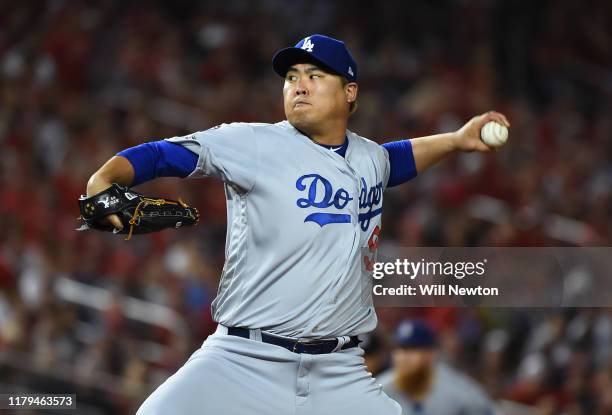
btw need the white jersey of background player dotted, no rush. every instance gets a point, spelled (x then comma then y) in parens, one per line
(304, 200)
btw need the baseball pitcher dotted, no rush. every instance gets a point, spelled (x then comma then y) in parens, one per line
(304, 200)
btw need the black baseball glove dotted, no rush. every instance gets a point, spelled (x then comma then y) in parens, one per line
(138, 213)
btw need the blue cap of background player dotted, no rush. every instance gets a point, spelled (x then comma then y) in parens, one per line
(326, 51)
(415, 334)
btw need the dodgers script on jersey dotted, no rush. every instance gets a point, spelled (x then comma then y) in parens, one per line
(303, 226)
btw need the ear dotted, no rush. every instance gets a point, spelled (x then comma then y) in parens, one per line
(351, 89)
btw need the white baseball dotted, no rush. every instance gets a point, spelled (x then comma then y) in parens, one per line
(494, 134)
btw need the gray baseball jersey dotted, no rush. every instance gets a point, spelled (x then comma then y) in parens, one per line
(452, 394)
(303, 226)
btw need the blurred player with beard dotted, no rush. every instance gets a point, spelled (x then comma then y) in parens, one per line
(424, 385)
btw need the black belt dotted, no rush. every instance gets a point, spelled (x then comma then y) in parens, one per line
(297, 345)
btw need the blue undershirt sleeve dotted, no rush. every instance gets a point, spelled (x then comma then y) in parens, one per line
(402, 166)
(159, 159)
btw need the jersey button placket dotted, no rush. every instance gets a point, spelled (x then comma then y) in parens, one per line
(355, 201)
(357, 181)
(357, 226)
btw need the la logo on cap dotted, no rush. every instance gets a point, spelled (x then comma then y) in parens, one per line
(308, 45)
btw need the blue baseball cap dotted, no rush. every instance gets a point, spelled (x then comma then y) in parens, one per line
(415, 335)
(330, 53)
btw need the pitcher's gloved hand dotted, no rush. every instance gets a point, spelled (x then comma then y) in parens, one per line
(138, 213)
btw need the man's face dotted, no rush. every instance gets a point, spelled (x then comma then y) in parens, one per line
(411, 361)
(314, 97)
(414, 371)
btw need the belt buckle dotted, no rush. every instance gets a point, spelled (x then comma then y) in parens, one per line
(295, 345)
(301, 340)
(307, 342)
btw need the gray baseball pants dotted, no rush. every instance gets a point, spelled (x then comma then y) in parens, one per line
(231, 375)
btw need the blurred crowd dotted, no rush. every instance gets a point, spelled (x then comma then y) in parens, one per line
(80, 80)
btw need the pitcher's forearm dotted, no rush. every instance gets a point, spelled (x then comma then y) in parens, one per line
(116, 170)
(431, 149)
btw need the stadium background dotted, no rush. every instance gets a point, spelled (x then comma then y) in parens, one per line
(91, 314)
